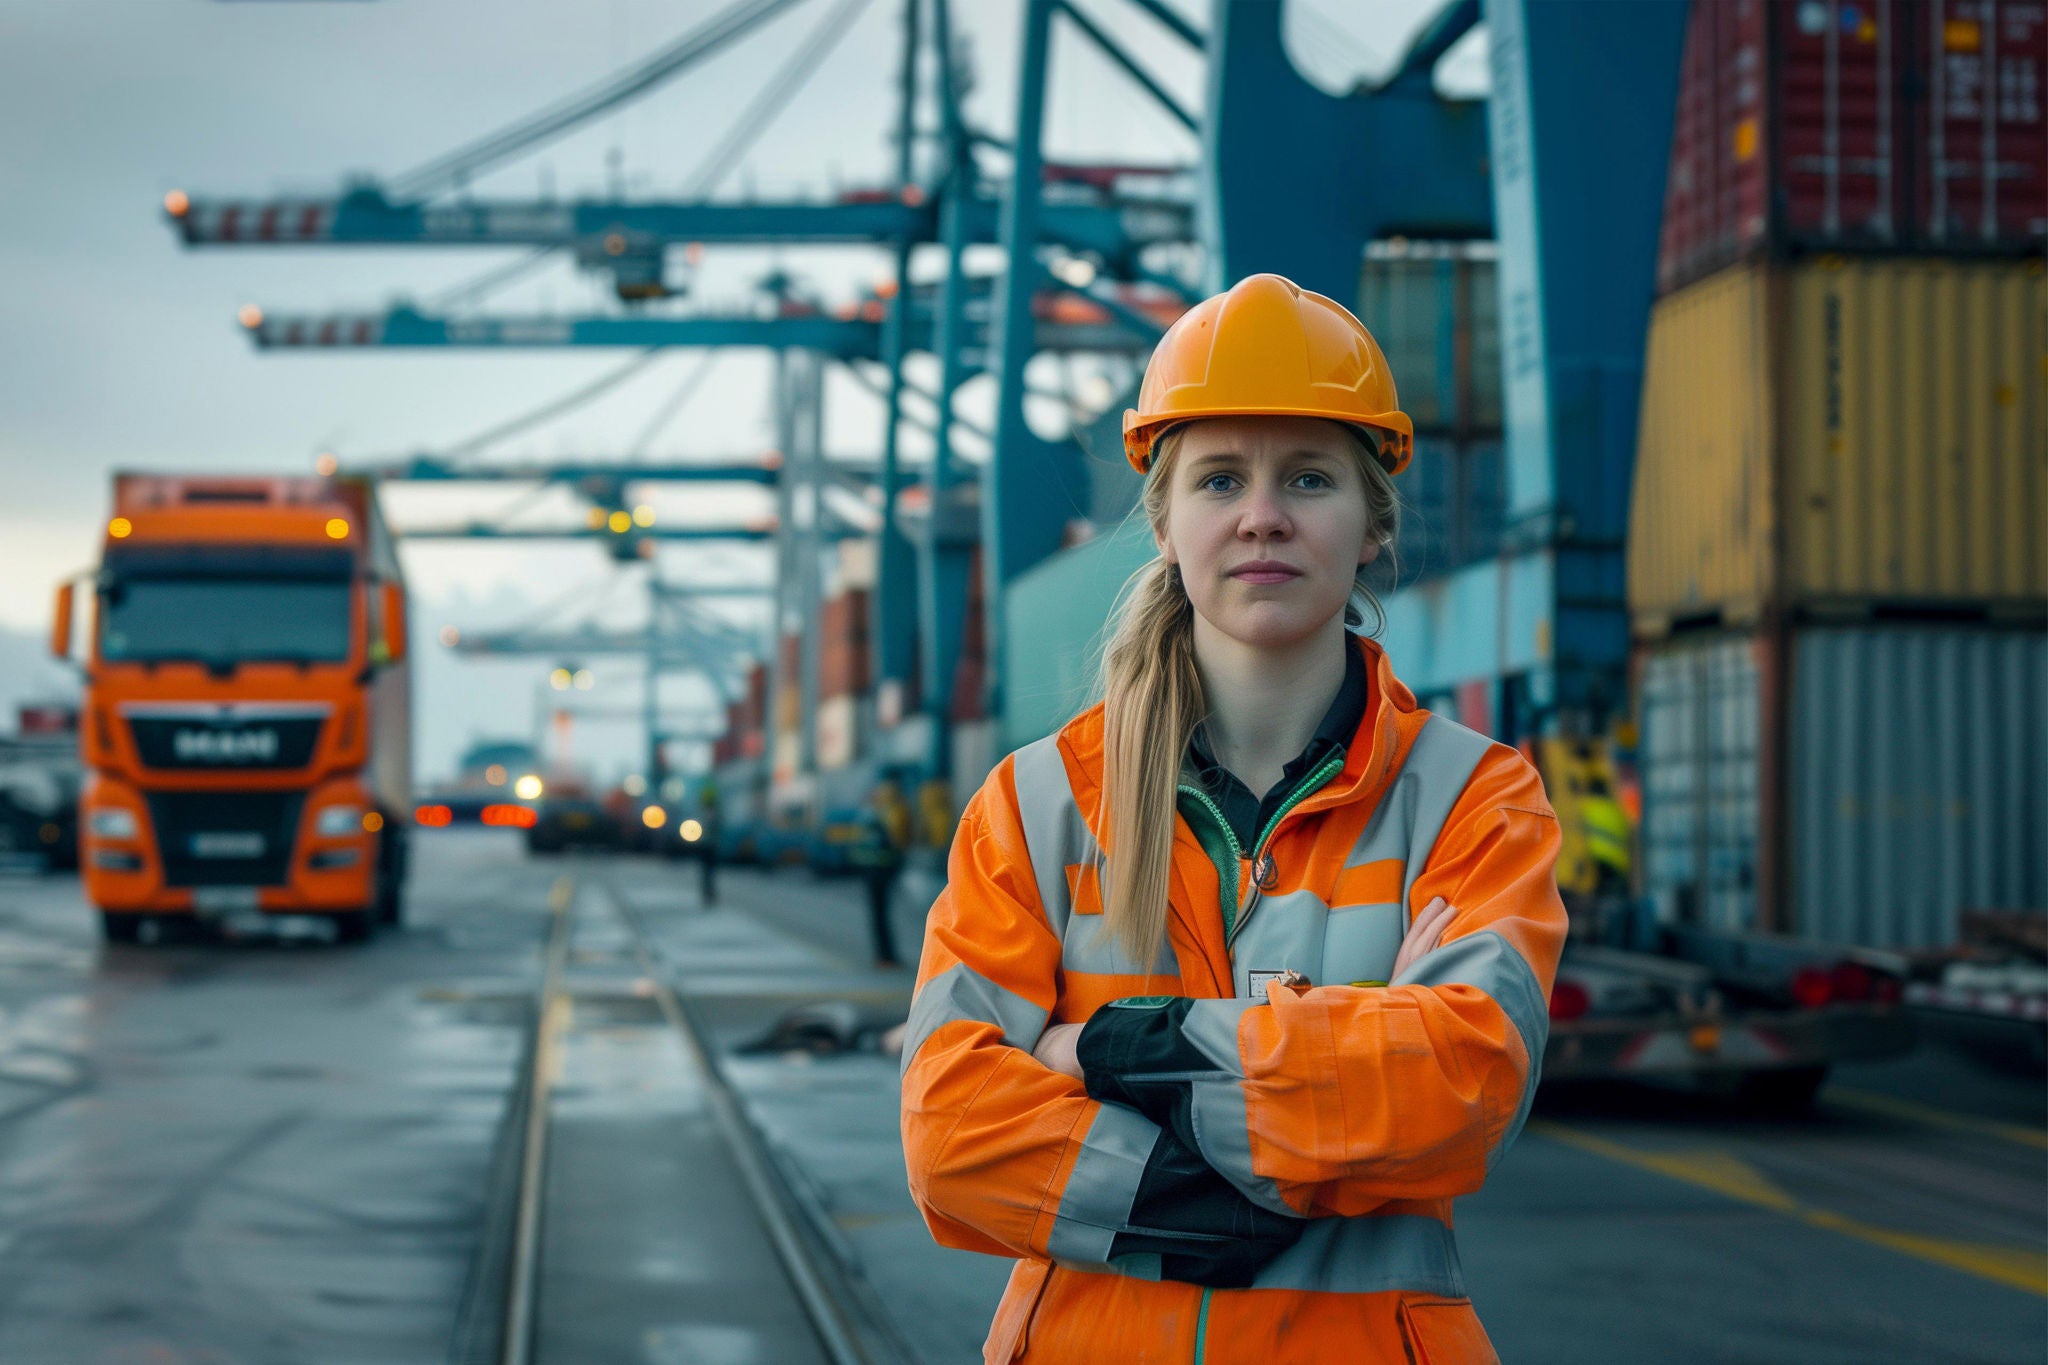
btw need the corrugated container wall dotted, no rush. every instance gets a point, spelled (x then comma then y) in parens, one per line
(1902, 779)
(1840, 432)
(1917, 762)
(1434, 307)
(1981, 129)
(1856, 125)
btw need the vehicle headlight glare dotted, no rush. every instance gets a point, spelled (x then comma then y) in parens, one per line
(336, 821)
(114, 822)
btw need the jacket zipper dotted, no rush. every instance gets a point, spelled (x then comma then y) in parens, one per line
(1238, 903)
(1230, 896)
(1330, 767)
(1202, 1328)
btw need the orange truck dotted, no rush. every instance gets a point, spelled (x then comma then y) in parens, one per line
(246, 728)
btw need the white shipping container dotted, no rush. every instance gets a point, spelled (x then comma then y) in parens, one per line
(1851, 785)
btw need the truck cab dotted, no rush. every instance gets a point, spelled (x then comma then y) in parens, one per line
(245, 728)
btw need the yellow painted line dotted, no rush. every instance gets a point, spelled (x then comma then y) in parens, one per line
(1935, 1118)
(561, 893)
(2022, 1268)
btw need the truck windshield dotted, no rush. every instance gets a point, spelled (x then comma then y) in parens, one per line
(218, 621)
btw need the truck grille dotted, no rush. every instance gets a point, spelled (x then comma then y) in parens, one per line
(226, 838)
(248, 742)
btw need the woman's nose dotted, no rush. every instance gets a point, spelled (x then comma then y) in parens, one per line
(1262, 515)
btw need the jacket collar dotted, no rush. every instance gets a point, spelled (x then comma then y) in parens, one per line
(1373, 755)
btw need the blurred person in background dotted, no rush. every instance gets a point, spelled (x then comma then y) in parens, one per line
(707, 846)
(885, 836)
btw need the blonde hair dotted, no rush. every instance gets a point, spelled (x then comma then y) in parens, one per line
(1153, 700)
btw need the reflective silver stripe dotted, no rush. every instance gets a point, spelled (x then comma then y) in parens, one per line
(1286, 934)
(1370, 1255)
(1491, 963)
(1222, 1120)
(1411, 815)
(1096, 1203)
(1057, 837)
(960, 992)
(1054, 833)
(1362, 943)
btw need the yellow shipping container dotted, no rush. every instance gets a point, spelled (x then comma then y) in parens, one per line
(1839, 434)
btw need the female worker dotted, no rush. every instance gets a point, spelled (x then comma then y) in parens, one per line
(1240, 978)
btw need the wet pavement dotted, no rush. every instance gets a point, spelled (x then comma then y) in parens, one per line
(275, 1150)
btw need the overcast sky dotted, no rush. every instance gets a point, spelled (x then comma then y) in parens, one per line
(118, 348)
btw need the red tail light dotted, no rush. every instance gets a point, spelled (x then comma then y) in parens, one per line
(1853, 981)
(507, 816)
(1812, 987)
(1569, 1000)
(433, 816)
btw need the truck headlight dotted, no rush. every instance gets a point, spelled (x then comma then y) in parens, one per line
(114, 822)
(333, 822)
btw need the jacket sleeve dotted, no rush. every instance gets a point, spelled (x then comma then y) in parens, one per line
(1010, 1157)
(1335, 1099)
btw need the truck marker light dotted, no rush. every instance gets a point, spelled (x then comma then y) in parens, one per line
(654, 817)
(120, 528)
(1812, 987)
(434, 817)
(620, 522)
(372, 822)
(177, 203)
(1569, 1000)
(337, 529)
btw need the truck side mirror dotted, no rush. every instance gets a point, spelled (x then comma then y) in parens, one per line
(394, 621)
(60, 626)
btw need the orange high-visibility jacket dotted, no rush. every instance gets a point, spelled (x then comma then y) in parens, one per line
(1363, 1108)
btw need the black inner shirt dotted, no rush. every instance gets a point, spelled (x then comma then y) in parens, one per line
(1248, 814)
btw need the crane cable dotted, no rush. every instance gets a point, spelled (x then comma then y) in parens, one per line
(774, 97)
(554, 407)
(692, 381)
(455, 168)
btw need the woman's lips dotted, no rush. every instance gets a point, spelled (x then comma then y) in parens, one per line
(1264, 575)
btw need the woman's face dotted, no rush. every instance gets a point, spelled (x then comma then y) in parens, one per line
(1267, 519)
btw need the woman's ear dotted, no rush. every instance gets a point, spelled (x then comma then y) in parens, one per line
(1166, 551)
(1369, 553)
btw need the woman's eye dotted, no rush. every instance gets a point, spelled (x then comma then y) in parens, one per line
(1313, 480)
(1217, 483)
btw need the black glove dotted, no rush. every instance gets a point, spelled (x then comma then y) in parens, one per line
(1202, 1229)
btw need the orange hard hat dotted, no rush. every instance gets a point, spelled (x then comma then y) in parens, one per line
(1266, 347)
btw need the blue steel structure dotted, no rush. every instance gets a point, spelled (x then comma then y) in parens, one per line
(1580, 119)
(1563, 165)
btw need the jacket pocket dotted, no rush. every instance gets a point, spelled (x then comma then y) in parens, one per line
(1010, 1334)
(1445, 1332)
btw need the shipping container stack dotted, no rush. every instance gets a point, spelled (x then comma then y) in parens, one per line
(843, 679)
(1434, 309)
(1836, 573)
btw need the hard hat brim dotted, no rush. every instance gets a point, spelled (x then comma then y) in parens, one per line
(1394, 448)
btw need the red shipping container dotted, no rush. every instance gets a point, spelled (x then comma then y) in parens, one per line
(1983, 181)
(1848, 125)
